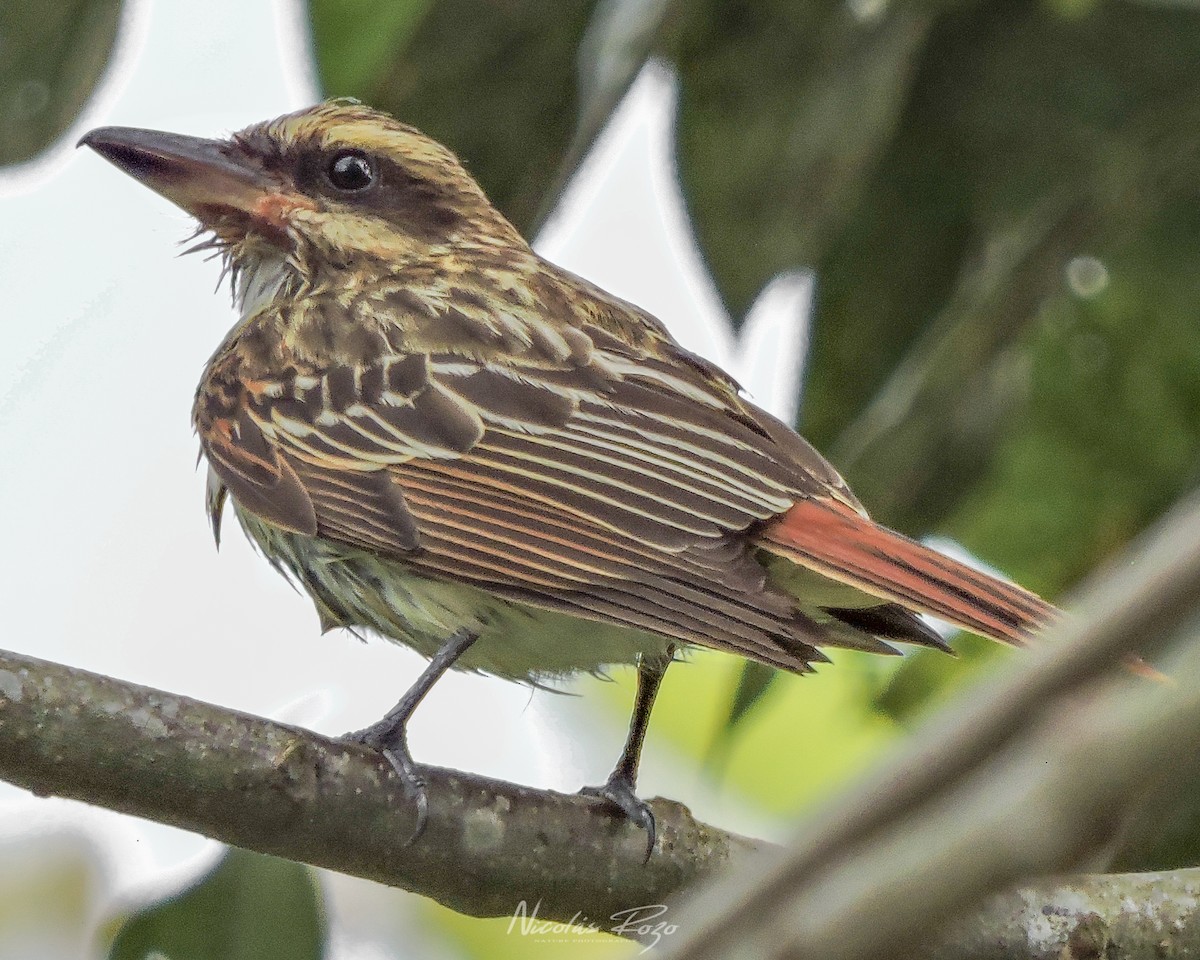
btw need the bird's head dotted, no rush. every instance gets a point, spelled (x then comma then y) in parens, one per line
(338, 183)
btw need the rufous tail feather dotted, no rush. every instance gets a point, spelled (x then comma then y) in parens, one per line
(838, 542)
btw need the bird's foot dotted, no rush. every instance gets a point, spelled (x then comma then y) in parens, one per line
(390, 735)
(619, 791)
(392, 742)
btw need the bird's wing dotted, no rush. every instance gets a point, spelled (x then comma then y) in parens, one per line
(615, 484)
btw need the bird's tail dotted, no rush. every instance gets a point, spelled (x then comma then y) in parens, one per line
(839, 543)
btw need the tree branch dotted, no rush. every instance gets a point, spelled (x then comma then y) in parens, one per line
(489, 845)
(1031, 776)
(1134, 916)
(295, 794)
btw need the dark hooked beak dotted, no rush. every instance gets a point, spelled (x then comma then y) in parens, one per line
(202, 176)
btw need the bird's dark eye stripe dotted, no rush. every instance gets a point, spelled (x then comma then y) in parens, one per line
(350, 170)
(393, 191)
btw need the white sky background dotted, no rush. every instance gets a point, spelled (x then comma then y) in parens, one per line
(110, 562)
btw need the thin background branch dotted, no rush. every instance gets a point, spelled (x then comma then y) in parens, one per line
(1031, 775)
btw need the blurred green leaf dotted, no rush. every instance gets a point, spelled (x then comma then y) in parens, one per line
(1165, 833)
(248, 907)
(356, 41)
(958, 377)
(51, 883)
(499, 938)
(1031, 138)
(1108, 435)
(753, 681)
(928, 677)
(784, 110)
(502, 84)
(51, 57)
(795, 747)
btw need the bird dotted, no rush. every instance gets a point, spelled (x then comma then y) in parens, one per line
(447, 440)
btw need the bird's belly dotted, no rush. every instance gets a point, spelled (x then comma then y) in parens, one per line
(517, 641)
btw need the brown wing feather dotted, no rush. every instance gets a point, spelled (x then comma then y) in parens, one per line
(610, 484)
(259, 478)
(364, 508)
(532, 552)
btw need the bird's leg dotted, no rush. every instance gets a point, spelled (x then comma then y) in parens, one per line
(621, 787)
(390, 735)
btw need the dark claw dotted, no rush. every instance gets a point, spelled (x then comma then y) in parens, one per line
(388, 735)
(396, 753)
(619, 792)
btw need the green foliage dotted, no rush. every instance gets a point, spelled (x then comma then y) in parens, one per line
(248, 907)
(1106, 437)
(357, 41)
(1109, 436)
(955, 377)
(795, 747)
(51, 57)
(502, 939)
(772, 163)
(1027, 138)
(51, 885)
(754, 680)
(497, 82)
(1165, 833)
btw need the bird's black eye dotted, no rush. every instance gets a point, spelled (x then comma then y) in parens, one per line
(350, 170)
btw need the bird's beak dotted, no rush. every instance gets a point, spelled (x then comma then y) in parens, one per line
(204, 177)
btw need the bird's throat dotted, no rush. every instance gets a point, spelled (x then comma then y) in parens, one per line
(261, 279)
